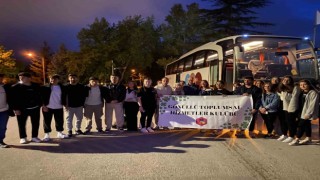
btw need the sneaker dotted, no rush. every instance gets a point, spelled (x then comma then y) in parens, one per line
(3, 145)
(252, 135)
(121, 130)
(268, 136)
(46, 137)
(79, 132)
(36, 140)
(60, 135)
(107, 131)
(282, 137)
(69, 134)
(87, 132)
(307, 140)
(288, 140)
(150, 130)
(294, 142)
(100, 131)
(144, 130)
(240, 134)
(23, 141)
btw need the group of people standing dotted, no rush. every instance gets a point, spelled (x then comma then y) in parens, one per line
(294, 105)
(27, 99)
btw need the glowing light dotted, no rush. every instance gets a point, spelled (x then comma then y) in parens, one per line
(252, 45)
(245, 35)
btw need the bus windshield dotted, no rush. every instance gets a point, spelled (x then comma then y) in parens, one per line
(266, 57)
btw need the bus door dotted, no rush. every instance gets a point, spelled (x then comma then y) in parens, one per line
(229, 69)
(212, 61)
(177, 78)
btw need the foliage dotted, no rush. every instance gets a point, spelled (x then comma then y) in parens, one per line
(37, 61)
(233, 17)
(7, 62)
(182, 31)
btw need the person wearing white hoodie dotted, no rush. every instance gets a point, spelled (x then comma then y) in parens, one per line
(289, 96)
(308, 111)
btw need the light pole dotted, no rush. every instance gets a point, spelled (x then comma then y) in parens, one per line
(43, 67)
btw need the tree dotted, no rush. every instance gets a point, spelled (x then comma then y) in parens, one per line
(135, 39)
(182, 31)
(95, 47)
(232, 17)
(58, 62)
(37, 61)
(7, 62)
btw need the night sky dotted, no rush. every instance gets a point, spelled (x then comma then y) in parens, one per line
(25, 24)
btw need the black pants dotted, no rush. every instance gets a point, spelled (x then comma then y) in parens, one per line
(148, 113)
(58, 117)
(35, 121)
(291, 119)
(269, 120)
(253, 121)
(304, 126)
(283, 122)
(131, 111)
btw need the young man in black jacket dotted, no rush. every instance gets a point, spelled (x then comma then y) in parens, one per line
(52, 95)
(76, 94)
(26, 101)
(116, 93)
(249, 89)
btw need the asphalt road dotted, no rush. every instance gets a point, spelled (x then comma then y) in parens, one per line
(172, 154)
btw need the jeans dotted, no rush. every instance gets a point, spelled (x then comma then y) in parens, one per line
(118, 108)
(3, 124)
(74, 111)
(89, 110)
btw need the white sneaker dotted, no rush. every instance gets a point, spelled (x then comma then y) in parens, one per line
(307, 140)
(150, 130)
(294, 142)
(35, 139)
(144, 130)
(23, 141)
(282, 137)
(46, 137)
(288, 140)
(60, 135)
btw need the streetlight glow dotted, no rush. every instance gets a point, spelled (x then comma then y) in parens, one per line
(43, 66)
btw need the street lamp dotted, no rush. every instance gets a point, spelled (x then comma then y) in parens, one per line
(43, 67)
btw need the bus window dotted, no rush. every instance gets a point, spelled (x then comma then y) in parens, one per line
(199, 61)
(174, 68)
(181, 66)
(211, 56)
(188, 63)
(169, 69)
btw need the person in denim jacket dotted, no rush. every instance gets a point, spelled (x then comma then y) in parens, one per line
(269, 107)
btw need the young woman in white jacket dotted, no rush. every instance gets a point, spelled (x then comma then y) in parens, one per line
(289, 96)
(308, 111)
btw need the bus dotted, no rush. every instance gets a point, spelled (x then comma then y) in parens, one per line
(260, 56)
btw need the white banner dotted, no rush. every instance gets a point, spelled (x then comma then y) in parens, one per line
(206, 112)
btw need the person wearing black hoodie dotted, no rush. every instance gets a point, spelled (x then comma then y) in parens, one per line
(26, 101)
(116, 93)
(76, 94)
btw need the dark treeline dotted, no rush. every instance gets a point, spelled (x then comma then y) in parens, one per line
(137, 43)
